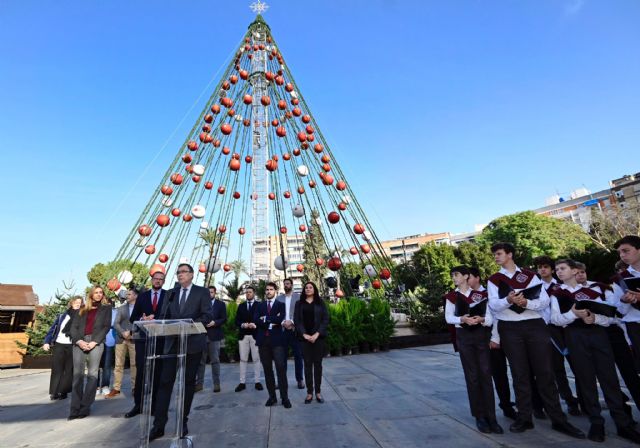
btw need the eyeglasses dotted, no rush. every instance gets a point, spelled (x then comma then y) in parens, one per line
(184, 272)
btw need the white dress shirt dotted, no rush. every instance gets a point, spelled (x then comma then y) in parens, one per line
(546, 313)
(629, 313)
(500, 306)
(564, 319)
(452, 319)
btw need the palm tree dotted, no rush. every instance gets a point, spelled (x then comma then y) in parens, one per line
(213, 240)
(238, 267)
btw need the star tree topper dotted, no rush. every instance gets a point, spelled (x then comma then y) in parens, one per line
(259, 7)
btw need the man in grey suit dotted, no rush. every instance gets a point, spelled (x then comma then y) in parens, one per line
(124, 342)
(290, 298)
(186, 301)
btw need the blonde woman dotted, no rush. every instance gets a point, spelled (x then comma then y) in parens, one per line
(58, 341)
(88, 331)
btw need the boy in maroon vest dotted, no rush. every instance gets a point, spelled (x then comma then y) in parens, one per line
(628, 300)
(525, 339)
(590, 350)
(467, 310)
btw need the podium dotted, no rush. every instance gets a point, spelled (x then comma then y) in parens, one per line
(151, 330)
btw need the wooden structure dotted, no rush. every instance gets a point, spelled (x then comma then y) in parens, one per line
(17, 309)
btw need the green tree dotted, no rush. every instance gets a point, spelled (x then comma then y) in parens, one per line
(101, 273)
(213, 241)
(233, 288)
(314, 247)
(534, 235)
(476, 255)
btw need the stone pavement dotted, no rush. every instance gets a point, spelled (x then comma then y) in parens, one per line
(402, 398)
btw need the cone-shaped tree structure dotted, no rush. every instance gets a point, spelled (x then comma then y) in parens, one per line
(250, 173)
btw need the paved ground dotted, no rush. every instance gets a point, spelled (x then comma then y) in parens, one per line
(402, 398)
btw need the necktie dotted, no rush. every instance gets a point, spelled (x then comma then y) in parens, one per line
(154, 305)
(268, 306)
(183, 298)
(249, 306)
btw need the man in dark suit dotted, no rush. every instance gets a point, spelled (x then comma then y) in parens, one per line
(290, 298)
(268, 316)
(247, 330)
(212, 348)
(188, 301)
(147, 307)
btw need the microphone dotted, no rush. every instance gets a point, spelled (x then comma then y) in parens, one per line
(170, 300)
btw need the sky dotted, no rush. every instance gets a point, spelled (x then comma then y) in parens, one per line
(443, 114)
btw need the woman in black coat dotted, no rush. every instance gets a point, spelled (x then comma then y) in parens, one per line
(88, 332)
(62, 353)
(311, 318)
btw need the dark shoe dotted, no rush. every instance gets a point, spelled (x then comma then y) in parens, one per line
(319, 398)
(133, 412)
(216, 388)
(309, 399)
(483, 425)
(521, 425)
(55, 397)
(510, 413)
(568, 429)
(198, 388)
(155, 433)
(629, 433)
(240, 387)
(286, 403)
(82, 415)
(259, 386)
(539, 414)
(271, 402)
(495, 427)
(574, 410)
(185, 430)
(301, 384)
(62, 397)
(596, 432)
(72, 417)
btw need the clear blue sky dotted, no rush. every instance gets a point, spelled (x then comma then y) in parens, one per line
(443, 113)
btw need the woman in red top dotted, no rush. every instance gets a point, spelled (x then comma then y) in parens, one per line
(88, 332)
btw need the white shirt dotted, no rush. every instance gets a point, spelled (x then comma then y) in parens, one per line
(452, 319)
(546, 313)
(188, 288)
(63, 338)
(500, 306)
(564, 319)
(629, 313)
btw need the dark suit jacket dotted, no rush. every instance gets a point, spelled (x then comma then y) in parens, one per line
(144, 305)
(219, 317)
(262, 319)
(101, 326)
(198, 308)
(320, 317)
(245, 317)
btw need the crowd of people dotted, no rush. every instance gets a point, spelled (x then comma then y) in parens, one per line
(536, 319)
(86, 338)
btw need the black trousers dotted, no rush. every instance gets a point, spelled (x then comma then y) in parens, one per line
(557, 360)
(593, 358)
(633, 331)
(526, 344)
(473, 346)
(165, 388)
(61, 369)
(500, 378)
(269, 354)
(138, 390)
(312, 354)
(624, 361)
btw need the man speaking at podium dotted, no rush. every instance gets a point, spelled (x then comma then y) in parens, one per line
(188, 301)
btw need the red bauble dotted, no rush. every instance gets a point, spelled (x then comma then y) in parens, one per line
(227, 102)
(188, 169)
(176, 178)
(166, 190)
(342, 206)
(296, 112)
(206, 128)
(286, 156)
(385, 274)
(282, 104)
(234, 164)
(163, 220)
(208, 185)
(265, 100)
(150, 249)
(376, 284)
(283, 230)
(295, 101)
(225, 150)
(247, 99)
(221, 189)
(365, 248)
(192, 145)
(215, 109)
(156, 268)
(226, 267)
(333, 217)
(334, 264)
(318, 148)
(306, 119)
(302, 136)
(353, 251)
(226, 129)
(186, 158)
(289, 87)
(358, 228)
(208, 118)
(300, 268)
(231, 112)
(236, 195)
(216, 143)
(202, 268)
(270, 76)
(274, 122)
(226, 85)
(319, 261)
(187, 217)
(302, 228)
(309, 129)
(144, 230)
(271, 165)
(327, 179)
(296, 152)
(312, 183)
(341, 185)
(176, 212)
(281, 131)
(113, 284)
(272, 196)
(222, 228)
(326, 167)
(287, 194)
(233, 79)
(244, 74)
(325, 158)
(248, 159)
(163, 258)
(300, 189)
(279, 80)
(241, 231)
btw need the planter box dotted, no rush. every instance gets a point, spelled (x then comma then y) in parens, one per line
(36, 362)
(10, 354)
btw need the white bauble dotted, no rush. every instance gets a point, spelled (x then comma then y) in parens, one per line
(198, 211)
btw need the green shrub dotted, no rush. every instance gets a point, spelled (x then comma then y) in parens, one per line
(231, 331)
